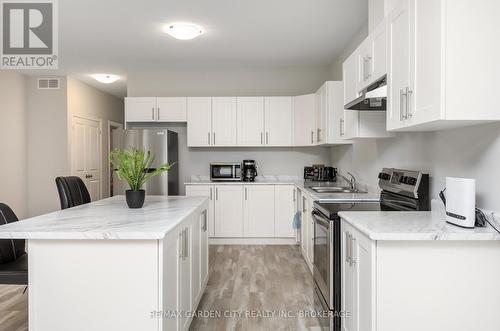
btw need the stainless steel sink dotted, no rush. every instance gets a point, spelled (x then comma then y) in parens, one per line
(334, 189)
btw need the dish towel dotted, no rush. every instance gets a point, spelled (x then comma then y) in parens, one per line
(297, 220)
(296, 223)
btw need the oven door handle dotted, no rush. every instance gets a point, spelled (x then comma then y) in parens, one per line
(320, 219)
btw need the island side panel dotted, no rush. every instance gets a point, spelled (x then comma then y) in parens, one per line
(438, 285)
(83, 285)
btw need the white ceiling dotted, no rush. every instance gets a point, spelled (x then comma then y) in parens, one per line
(115, 36)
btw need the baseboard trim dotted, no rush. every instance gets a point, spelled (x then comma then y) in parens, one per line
(252, 241)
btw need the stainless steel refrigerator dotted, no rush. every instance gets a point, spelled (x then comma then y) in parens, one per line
(164, 144)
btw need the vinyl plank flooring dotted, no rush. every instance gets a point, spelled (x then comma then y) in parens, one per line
(13, 308)
(257, 280)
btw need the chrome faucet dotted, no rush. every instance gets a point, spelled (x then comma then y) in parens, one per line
(351, 181)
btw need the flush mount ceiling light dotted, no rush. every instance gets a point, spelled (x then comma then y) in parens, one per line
(183, 31)
(105, 78)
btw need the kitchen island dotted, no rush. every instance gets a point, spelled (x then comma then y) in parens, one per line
(103, 266)
(412, 271)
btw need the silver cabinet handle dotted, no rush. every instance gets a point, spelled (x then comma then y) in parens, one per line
(261, 141)
(246, 196)
(181, 241)
(341, 127)
(216, 193)
(408, 103)
(353, 256)
(158, 113)
(312, 136)
(153, 113)
(209, 138)
(210, 193)
(294, 192)
(214, 139)
(204, 224)
(318, 131)
(186, 242)
(402, 95)
(267, 138)
(304, 205)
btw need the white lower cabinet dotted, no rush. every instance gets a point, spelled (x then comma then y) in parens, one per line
(307, 230)
(249, 210)
(258, 210)
(209, 192)
(228, 211)
(285, 198)
(184, 271)
(358, 275)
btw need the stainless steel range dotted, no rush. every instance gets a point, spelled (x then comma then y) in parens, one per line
(401, 190)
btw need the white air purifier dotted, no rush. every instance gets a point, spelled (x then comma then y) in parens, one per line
(461, 201)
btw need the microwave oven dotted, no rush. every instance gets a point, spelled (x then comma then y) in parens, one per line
(225, 171)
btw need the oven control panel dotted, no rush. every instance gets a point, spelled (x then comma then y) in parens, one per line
(405, 182)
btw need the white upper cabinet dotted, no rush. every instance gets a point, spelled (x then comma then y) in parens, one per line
(350, 74)
(250, 121)
(278, 121)
(435, 81)
(199, 128)
(378, 52)
(321, 114)
(140, 109)
(363, 62)
(171, 109)
(153, 109)
(224, 121)
(304, 112)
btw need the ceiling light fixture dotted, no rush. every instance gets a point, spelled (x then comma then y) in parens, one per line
(183, 31)
(105, 78)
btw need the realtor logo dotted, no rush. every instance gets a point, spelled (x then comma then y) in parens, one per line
(29, 34)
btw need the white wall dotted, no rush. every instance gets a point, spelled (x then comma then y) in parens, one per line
(227, 81)
(472, 152)
(47, 145)
(271, 161)
(13, 142)
(87, 101)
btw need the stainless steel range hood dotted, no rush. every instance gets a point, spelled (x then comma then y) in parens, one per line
(374, 97)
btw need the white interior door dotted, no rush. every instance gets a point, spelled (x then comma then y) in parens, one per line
(86, 154)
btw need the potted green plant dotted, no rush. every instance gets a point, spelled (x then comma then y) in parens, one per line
(134, 166)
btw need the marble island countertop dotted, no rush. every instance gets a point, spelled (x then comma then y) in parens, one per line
(108, 219)
(415, 225)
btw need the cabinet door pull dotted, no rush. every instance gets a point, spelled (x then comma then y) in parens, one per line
(312, 136)
(408, 103)
(210, 193)
(402, 95)
(186, 243)
(208, 135)
(153, 113)
(294, 192)
(261, 141)
(216, 193)
(205, 222)
(181, 242)
(267, 138)
(341, 127)
(158, 113)
(214, 139)
(348, 248)
(353, 256)
(246, 198)
(318, 131)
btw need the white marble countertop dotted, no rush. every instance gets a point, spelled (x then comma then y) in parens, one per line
(320, 197)
(394, 225)
(108, 219)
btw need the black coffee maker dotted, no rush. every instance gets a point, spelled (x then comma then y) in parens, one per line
(249, 170)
